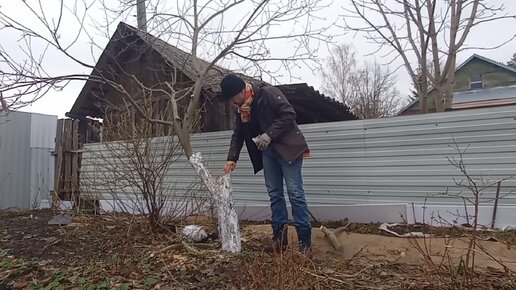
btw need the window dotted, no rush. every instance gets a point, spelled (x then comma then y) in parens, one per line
(475, 82)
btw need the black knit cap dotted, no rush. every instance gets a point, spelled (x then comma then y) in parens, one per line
(231, 85)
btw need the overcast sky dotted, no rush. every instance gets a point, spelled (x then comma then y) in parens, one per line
(58, 103)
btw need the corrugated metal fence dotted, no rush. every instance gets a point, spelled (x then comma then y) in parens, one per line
(26, 163)
(396, 160)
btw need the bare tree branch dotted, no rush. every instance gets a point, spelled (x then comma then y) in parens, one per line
(422, 32)
(368, 89)
(129, 78)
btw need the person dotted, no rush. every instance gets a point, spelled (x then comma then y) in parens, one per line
(266, 123)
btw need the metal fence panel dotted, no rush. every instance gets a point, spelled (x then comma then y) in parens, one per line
(26, 163)
(42, 144)
(395, 160)
(14, 160)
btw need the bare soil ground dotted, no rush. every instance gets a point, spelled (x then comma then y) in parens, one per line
(107, 252)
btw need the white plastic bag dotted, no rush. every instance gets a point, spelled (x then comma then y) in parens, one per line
(194, 233)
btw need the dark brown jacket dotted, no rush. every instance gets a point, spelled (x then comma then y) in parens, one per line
(271, 113)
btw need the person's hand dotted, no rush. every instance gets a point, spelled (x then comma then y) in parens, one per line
(229, 166)
(262, 141)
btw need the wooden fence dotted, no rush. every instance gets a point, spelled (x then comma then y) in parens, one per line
(67, 159)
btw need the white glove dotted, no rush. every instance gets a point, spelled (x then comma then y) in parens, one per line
(262, 141)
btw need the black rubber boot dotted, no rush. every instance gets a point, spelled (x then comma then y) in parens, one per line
(279, 239)
(304, 236)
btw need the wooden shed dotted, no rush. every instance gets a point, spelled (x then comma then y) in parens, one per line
(137, 63)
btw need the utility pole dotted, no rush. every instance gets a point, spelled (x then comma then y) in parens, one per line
(141, 15)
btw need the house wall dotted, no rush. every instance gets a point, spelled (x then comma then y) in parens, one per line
(366, 170)
(493, 76)
(26, 163)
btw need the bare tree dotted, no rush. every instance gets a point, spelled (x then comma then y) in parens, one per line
(339, 73)
(134, 171)
(368, 88)
(375, 95)
(213, 32)
(422, 32)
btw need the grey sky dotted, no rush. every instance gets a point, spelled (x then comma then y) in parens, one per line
(58, 103)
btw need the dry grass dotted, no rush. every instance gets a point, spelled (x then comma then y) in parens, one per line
(99, 252)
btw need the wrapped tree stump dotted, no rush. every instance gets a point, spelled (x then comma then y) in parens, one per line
(222, 192)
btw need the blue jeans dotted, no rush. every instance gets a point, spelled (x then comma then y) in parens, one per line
(275, 169)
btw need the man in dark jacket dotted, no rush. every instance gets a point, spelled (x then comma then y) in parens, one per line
(266, 122)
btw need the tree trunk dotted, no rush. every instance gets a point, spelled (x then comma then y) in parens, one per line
(450, 81)
(442, 101)
(439, 101)
(424, 103)
(222, 192)
(3, 103)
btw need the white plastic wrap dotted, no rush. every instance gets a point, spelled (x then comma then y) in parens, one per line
(222, 192)
(194, 233)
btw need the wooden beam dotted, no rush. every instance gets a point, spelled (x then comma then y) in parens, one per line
(74, 182)
(58, 162)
